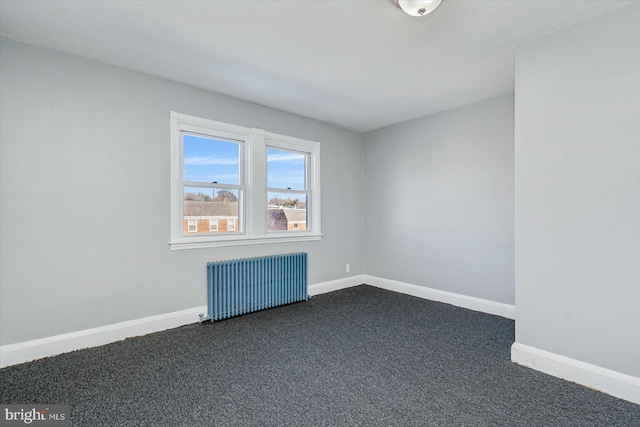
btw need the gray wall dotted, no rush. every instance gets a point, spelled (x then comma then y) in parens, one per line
(439, 201)
(85, 194)
(577, 186)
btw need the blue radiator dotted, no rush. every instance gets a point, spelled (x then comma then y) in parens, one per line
(242, 286)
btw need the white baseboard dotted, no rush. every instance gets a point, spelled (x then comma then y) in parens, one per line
(13, 354)
(611, 382)
(335, 285)
(464, 301)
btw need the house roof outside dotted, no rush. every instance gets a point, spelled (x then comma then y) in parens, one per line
(295, 215)
(277, 220)
(210, 208)
(280, 217)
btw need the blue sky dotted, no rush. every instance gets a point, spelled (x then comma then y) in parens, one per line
(208, 160)
(285, 169)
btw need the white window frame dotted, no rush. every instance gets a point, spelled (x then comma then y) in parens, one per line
(195, 223)
(252, 222)
(211, 223)
(229, 222)
(298, 146)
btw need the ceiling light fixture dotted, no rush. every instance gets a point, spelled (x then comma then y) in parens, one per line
(418, 7)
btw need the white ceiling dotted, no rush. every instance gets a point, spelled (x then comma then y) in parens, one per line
(358, 64)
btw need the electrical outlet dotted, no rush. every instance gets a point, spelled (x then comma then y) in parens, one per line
(348, 268)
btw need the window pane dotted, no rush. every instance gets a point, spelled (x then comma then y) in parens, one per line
(210, 210)
(286, 169)
(287, 212)
(210, 160)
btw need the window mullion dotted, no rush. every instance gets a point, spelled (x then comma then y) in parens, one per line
(257, 182)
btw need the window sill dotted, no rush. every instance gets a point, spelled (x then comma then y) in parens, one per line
(241, 241)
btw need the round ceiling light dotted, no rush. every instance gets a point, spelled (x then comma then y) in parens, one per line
(418, 7)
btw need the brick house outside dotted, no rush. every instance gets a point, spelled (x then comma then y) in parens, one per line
(209, 216)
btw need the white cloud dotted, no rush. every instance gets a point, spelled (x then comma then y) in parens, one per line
(284, 157)
(198, 161)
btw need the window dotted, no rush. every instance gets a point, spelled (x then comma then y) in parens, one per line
(212, 182)
(225, 175)
(287, 189)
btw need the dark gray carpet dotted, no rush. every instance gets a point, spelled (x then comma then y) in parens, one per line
(360, 356)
